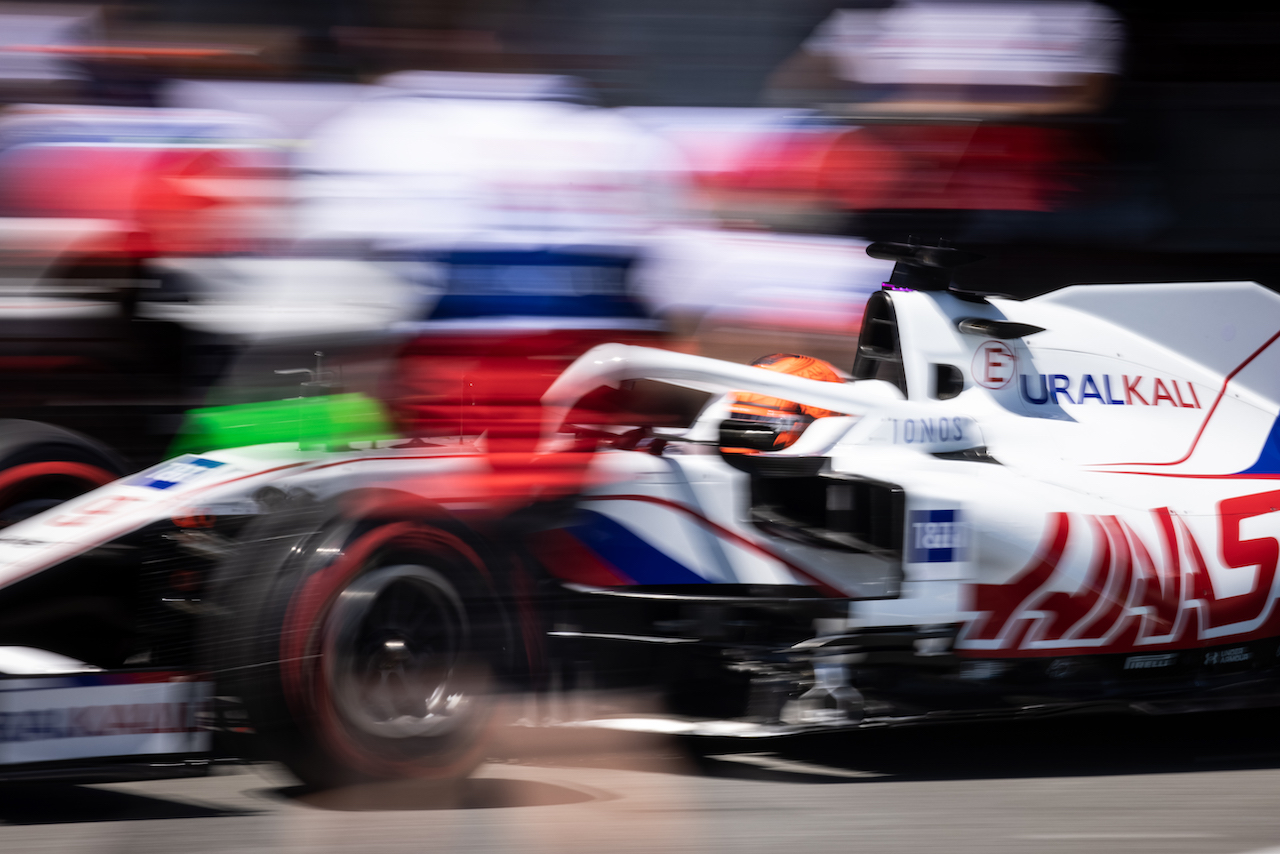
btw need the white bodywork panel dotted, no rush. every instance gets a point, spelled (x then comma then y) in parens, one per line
(1118, 494)
(99, 716)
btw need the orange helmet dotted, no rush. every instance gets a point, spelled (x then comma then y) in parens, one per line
(790, 419)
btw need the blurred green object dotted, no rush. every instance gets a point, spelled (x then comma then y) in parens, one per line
(329, 421)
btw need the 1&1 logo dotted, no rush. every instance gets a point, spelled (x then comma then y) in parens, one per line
(937, 536)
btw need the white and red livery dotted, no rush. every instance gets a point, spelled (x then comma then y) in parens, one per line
(1024, 506)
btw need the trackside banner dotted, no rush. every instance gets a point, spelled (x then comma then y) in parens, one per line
(99, 715)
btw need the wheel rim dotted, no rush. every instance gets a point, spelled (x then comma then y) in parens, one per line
(396, 654)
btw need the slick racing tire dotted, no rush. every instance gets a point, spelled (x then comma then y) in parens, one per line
(360, 651)
(42, 465)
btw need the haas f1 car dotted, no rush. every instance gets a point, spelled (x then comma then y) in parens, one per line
(1013, 507)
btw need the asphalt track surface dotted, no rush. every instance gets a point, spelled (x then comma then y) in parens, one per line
(1202, 783)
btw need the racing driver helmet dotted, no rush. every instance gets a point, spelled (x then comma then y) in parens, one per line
(786, 418)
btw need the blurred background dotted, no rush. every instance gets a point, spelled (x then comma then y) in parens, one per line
(195, 194)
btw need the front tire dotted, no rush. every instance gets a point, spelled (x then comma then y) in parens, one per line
(42, 465)
(365, 653)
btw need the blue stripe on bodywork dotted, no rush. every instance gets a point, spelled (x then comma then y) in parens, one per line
(1268, 461)
(635, 557)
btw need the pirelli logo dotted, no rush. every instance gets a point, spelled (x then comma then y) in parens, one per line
(1150, 662)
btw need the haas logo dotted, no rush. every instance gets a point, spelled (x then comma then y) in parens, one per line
(1132, 596)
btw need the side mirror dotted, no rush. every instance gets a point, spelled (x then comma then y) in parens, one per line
(751, 435)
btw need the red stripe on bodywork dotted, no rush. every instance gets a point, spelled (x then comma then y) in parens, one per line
(725, 533)
(1208, 415)
(1070, 608)
(1162, 591)
(1001, 601)
(570, 560)
(1117, 586)
(1240, 476)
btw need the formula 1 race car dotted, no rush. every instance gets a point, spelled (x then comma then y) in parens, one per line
(1012, 508)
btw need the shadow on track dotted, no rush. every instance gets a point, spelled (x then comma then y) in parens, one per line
(1083, 745)
(1063, 746)
(56, 803)
(471, 794)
